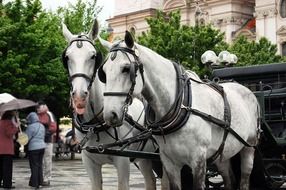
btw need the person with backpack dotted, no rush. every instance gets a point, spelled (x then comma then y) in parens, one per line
(36, 148)
(47, 119)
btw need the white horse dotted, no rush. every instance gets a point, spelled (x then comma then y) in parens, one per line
(82, 60)
(135, 70)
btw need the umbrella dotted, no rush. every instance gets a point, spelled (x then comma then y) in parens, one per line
(5, 97)
(16, 104)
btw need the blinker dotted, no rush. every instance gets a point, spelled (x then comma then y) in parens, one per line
(136, 52)
(113, 55)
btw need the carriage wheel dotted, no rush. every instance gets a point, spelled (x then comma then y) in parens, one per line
(72, 155)
(213, 179)
(57, 155)
(277, 172)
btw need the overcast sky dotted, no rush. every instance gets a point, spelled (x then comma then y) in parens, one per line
(107, 11)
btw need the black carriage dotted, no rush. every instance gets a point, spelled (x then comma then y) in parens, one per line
(268, 82)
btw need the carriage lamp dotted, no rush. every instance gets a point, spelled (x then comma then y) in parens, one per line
(232, 59)
(223, 57)
(209, 58)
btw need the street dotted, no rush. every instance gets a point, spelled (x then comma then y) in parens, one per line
(71, 175)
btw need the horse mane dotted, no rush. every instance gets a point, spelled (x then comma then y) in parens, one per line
(193, 75)
(150, 51)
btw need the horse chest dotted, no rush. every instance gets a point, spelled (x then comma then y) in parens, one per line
(183, 144)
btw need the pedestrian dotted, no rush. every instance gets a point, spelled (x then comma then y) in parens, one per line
(9, 126)
(36, 148)
(47, 119)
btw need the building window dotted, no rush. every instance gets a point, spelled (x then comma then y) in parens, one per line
(202, 22)
(283, 8)
(132, 30)
(284, 49)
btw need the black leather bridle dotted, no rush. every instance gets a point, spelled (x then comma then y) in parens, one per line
(97, 60)
(134, 67)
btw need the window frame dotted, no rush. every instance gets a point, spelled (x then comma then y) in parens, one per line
(282, 8)
(283, 48)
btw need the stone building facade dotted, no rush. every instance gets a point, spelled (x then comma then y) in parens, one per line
(252, 18)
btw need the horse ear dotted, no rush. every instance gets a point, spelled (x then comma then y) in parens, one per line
(105, 43)
(129, 41)
(92, 34)
(67, 34)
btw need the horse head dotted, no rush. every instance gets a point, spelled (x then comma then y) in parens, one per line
(81, 60)
(120, 72)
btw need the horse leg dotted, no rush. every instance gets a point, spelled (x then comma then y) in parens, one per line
(149, 177)
(165, 184)
(199, 172)
(172, 172)
(123, 171)
(247, 158)
(227, 174)
(93, 170)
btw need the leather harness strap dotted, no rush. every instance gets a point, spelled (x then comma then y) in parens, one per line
(177, 116)
(182, 108)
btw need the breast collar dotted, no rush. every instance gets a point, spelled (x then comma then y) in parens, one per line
(177, 116)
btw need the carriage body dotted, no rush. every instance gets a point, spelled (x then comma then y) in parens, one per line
(268, 83)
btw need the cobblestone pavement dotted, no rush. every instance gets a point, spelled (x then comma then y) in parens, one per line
(71, 175)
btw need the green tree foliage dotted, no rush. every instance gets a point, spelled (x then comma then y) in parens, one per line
(79, 18)
(254, 53)
(186, 44)
(181, 43)
(31, 44)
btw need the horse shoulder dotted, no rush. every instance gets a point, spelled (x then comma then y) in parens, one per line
(136, 110)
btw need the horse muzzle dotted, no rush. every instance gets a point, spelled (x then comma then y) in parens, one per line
(113, 119)
(79, 102)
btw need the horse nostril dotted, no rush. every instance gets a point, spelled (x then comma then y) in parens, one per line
(73, 93)
(114, 116)
(84, 94)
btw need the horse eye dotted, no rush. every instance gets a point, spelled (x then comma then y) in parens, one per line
(126, 69)
(93, 57)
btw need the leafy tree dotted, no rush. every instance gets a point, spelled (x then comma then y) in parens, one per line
(79, 18)
(31, 44)
(181, 43)
(254, 53)
(186, 44)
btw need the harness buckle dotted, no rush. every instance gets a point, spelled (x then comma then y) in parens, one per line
(100, 148)
(85, 139)
(125, 109)
(185, 107)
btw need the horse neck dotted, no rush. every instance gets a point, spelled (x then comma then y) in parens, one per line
(95, 101)
(160, 81)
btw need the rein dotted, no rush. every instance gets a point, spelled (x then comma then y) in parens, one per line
(93, 126)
